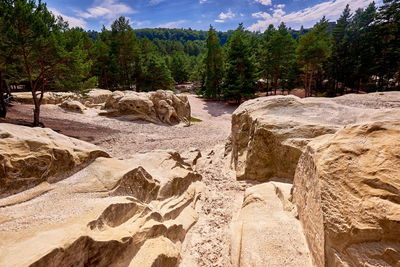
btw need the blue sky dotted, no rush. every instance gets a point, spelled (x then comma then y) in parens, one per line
(199, 14)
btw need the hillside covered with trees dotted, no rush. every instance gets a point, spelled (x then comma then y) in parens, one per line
(360, 52)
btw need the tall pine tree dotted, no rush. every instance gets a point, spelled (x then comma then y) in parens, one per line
(213, 66)
(240, 71)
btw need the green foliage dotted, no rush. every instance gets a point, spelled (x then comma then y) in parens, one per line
(180, 67)
(240, 72)
(277, 57)
(314, 48)
(154, 74)
(213, 66)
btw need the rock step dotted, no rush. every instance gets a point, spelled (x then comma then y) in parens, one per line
(265, 232)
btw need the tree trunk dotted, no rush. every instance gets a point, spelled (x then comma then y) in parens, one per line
(3, 106)
(311, 79)
(306, 82)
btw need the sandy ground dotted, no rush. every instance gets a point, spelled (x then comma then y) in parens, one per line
(207, 243)
(123, 139)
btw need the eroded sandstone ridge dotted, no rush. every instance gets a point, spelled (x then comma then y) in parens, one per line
(270, 133)
(347, 189)
(158, 107)
(344, 156)
(112, 212)
(30, 156)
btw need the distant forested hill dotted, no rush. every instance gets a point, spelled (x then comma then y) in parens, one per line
(179, 34)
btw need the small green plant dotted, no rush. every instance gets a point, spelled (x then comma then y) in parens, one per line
(192, 119)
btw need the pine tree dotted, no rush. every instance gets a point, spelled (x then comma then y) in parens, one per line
(388, 33)
(123, 50)
(240, 72)
(313, 49)
(179, 67)
(278, 56)
(340, 66)
(154, 74)
(35, 37)
(74, 73)
(213, 66)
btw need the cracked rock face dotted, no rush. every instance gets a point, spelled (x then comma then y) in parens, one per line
(112, 212)
(30, 156)
(347, 190)
(270, 133)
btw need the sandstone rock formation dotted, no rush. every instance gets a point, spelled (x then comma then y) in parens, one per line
(156, 107)
(30, 156)
(160, 106)
(270, 133)
(264, 233)
(73, 105)
(347, 189)
(97, 96)
(48, 97)
(133, 212)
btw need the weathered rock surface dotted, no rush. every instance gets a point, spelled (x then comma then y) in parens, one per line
(97, 96)
(48, 97)
(265, 233)
(73, 105)
(133, 212)
(30, 156)
(160, 106)
(347, 189)
(157, 107)
(270, 133)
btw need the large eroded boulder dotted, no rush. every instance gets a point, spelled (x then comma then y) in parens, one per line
(133, 212)
(160, 106)
(30, 156)
(270, 133)
(347, 190)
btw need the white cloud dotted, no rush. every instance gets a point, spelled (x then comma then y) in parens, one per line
(108, 9)
(332, 9)
(155, 2)
(172, 24)
(203, 1)
(264, 2)
(261, 15)
(72, 21)
(279, 6)
(222, 17)
(139, 23)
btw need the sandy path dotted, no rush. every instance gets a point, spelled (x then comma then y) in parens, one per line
(123, 139)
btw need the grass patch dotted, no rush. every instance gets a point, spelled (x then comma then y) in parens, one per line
(192, 119)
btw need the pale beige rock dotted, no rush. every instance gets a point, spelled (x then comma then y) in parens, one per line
(97, 96)
(160, 106)
(54, 98)
(133, 212)
(347, 189)
(30, 156)
(270, 133)
(73, 105)
(264, 234)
